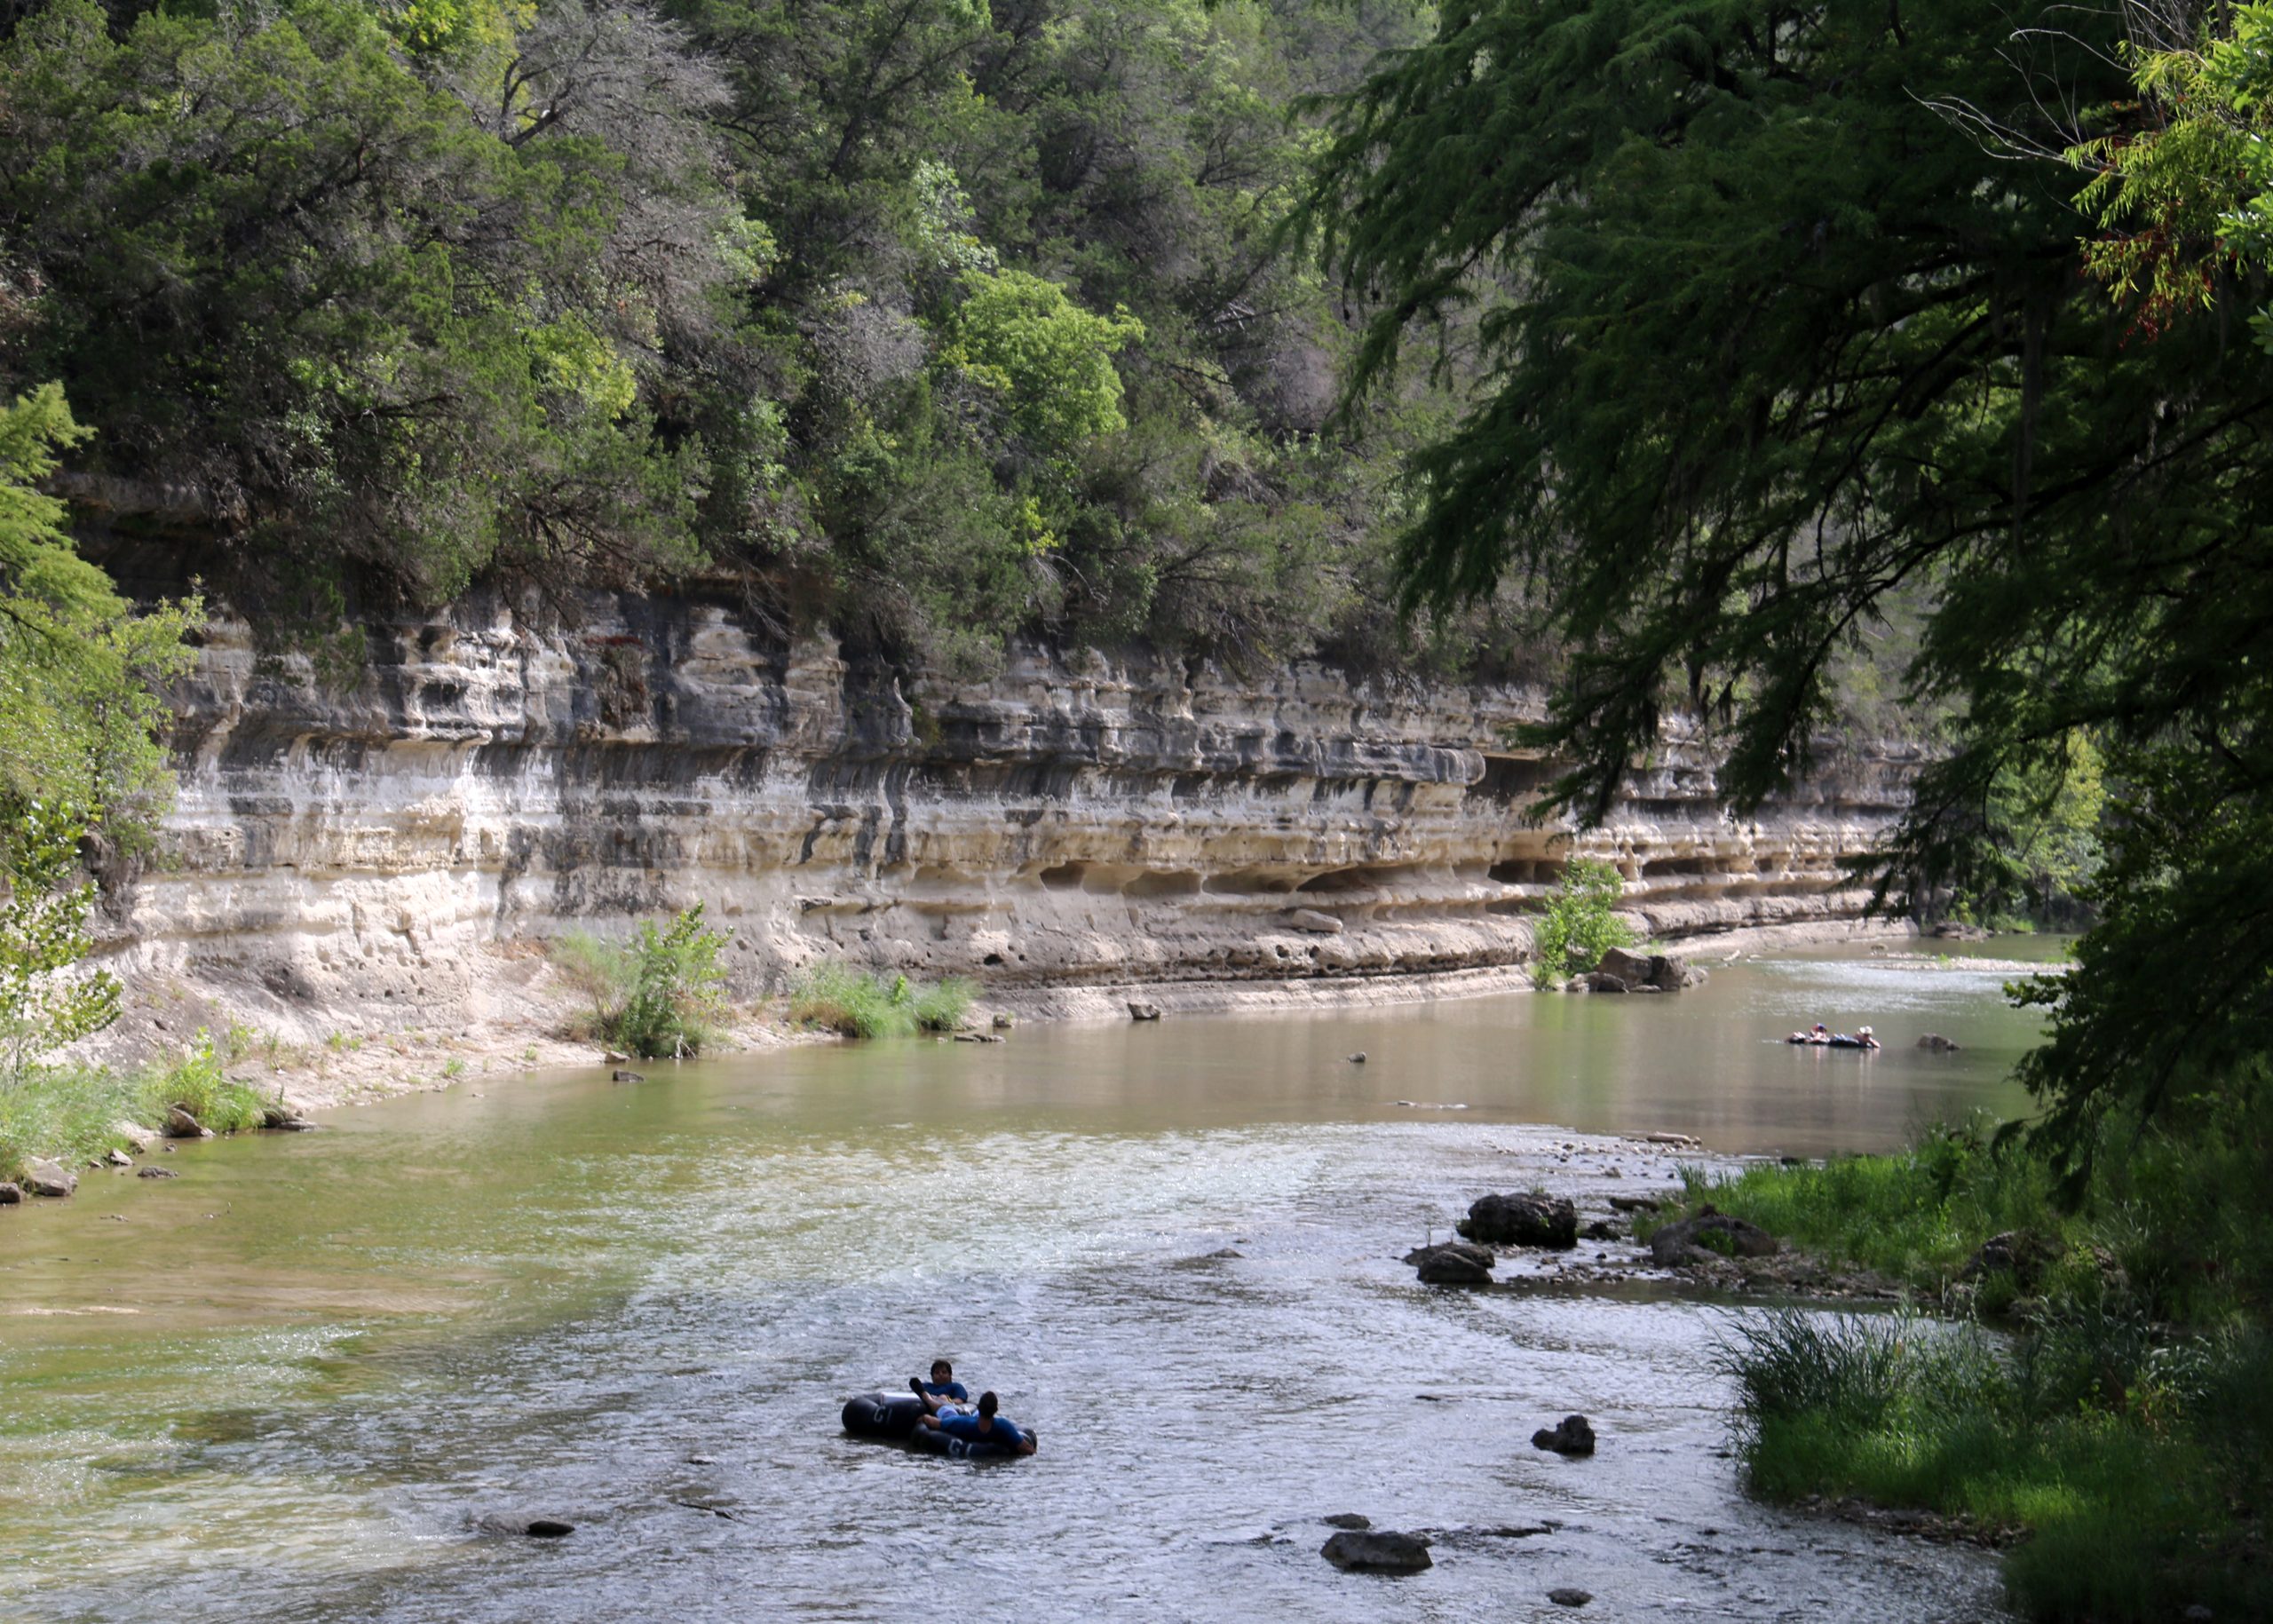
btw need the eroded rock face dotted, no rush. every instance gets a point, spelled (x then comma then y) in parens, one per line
(1081, 819)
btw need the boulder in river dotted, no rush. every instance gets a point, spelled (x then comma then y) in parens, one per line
(49, 1178)
(1708, 1235)
(1572, 1435)
(621, 1075)
(155, 1173)
(1570, 1596)
(10, 1194)
(1455, 1264)
(181, 1125)
(1658, 971)
(1530, 1220)
(1138, 1010)
(1348, 1519)
(1603, 981)
(1601, 1229)
(117, 1158)
(1939, 1044)
(1384, 1551)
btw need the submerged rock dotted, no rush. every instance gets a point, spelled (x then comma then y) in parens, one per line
(621, 1075)
(1348, 1519)
(155, 1173)
(512, 1524)
(1529, 1220)
(1363, 1550)
(1574, 1435)
(1570, 1596)
(49, 1178)
(1939, 1044)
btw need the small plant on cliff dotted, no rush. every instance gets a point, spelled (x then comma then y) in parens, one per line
(865, 1006)
(1581, 923)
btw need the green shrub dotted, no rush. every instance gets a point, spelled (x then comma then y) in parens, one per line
(658, 994)
(861, 1005)
(1580, 924)
(197, 1082)
(675, 982)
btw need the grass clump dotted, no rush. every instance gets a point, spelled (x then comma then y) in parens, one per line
(73, 1115)
(197, 1080)
(658, 995)
(1918, 1215)
(2122, 1455)
(857, 1004)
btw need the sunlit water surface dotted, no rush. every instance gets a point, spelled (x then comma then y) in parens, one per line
(280, 1386)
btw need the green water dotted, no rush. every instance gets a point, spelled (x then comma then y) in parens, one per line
(280, 1386)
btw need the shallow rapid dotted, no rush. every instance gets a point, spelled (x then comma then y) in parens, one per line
(284, 1385)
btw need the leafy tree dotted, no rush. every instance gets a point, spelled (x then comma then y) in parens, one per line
(656, 994)
(79, 669)
(1580, 922)
(1051, 361)
(43, 934)
(416, 307)
(1770, 335)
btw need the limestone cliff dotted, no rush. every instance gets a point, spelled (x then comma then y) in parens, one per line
(376, 853)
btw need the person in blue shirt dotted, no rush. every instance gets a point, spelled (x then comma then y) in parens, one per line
(941, 1390)
(985, 1427)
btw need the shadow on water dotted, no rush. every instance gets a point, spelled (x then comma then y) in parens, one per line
(283, 1384)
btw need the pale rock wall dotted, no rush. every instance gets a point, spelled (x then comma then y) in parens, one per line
(385, 855)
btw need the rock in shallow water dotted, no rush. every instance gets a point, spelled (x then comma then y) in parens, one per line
(49, 1178)
(1570, 1596)
(1572, 1435)
(1387, 1551)
(181, 1125)
(10, 1195)
(1455, 1264)
(155, 1173)
(1522, 1220)
(1140, 1010)
(1348, 1519)
(1710, 1234)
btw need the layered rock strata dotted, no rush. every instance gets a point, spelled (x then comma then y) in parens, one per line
(492, 779)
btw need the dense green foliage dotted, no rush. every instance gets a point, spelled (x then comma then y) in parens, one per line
(2129, 1461)
(79, 669)
(935, 320)
(658, 994)
(74, 1113)
(1782, 325)
(1580, 922)
(2126, 1419)
(860, 1005)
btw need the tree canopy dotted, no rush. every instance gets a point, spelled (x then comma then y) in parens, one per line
(1784, 315)
(930, 319)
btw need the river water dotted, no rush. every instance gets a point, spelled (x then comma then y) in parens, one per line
(282, 1385)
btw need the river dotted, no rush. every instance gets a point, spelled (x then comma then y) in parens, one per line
(279, 1386)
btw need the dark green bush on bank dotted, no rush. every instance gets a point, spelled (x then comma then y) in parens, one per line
(659, 994)
(2121, 1421)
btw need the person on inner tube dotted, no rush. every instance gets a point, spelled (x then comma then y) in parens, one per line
(985, 1427)
(942, 1391)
